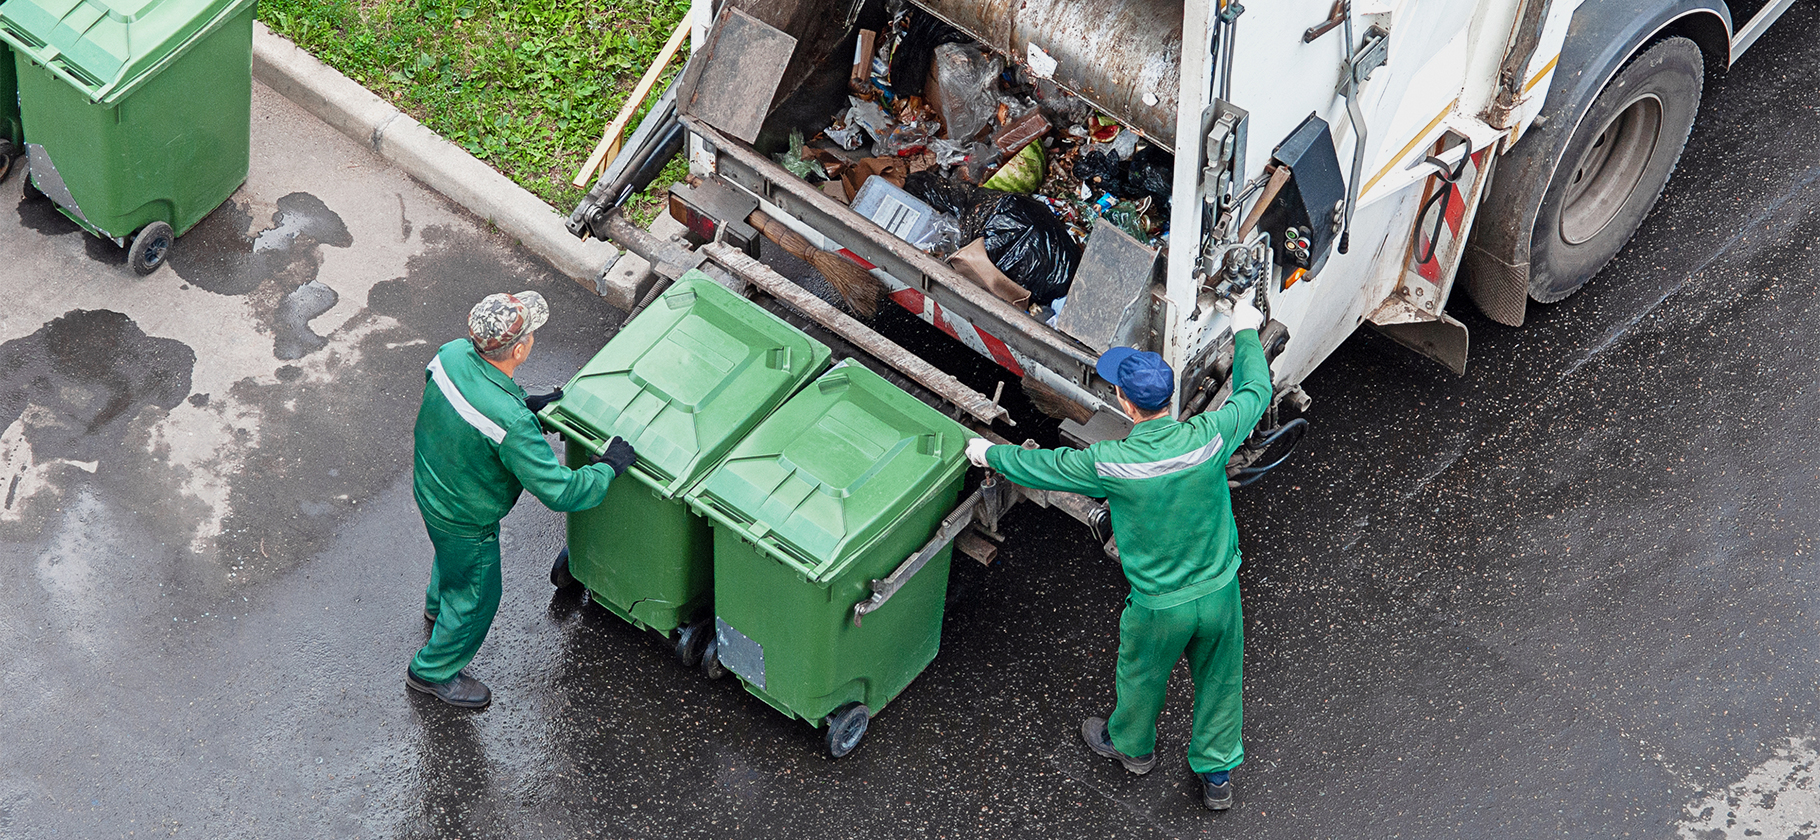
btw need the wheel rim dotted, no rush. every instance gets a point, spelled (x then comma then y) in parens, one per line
(1610, 169)
(845, 731)
(153, 253)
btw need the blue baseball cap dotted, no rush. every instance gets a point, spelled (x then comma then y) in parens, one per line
(1144, 377)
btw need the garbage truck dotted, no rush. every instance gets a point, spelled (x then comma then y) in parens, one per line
(1042, 180)
(1340, 162)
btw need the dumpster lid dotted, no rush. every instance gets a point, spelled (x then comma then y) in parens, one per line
(105, 48)
(834, 468)
(686, 379)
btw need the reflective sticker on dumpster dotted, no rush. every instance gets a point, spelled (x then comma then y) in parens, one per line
(739, 654)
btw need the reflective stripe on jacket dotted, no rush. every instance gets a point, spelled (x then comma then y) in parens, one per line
(1166, 482)
(478, 447)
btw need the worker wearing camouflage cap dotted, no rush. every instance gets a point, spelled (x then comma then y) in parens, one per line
(478, 446)
(1178, 544)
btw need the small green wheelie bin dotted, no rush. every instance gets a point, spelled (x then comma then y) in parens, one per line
(137, 113)
(835, 490)
(682, 382)
(12, 133)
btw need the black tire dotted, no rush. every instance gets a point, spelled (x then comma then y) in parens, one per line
(8, 157)
(32, 193)
(710, 660)
(150, 248)
(1614, 167)
(559, 571)
(845, 729)
(692, 641)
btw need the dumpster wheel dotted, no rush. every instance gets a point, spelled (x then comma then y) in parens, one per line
(692, 642)
(559, 571)
(710, 659)
(32, 193)
(845, 727)
(150, 247)
(7, 158)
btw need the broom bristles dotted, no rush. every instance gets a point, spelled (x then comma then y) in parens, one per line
(1051, 402)
(856, 285)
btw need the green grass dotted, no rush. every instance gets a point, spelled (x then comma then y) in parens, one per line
(527, 86)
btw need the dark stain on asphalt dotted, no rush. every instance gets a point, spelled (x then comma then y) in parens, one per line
(91, 370)
(41, 215)
(89, 374)
(220, 255)
(338, 433)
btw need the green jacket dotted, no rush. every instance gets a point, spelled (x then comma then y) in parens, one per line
(1171, 509)
(478, 447)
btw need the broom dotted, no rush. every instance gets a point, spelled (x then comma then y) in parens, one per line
(856, 285)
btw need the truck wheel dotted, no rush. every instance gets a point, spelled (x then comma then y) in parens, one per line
(560, 577)
(1614, 167)
(845, 727)
(150, 248)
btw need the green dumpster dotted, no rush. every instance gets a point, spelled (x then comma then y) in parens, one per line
(138, 112)
(837, 488)
(682, 382)
(12, 133)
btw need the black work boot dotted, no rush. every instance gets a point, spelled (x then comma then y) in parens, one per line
(429, 616)
(1215, 797)
(462, 690)
(1093, 731)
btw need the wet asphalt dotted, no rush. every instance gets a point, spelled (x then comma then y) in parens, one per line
(1564, 595)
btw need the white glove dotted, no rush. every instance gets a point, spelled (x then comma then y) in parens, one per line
(1245, 316)
(976, 451)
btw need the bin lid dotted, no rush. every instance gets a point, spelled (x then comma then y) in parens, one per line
(833, 469)
(105, 48)
(687, 378)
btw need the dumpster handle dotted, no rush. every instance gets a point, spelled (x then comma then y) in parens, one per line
(587, 441)
(952, 526)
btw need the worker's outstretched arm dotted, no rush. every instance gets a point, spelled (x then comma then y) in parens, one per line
(1250, 391)
(528, 456)
(1069, 470)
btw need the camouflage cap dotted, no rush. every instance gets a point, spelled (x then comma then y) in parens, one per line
(499, 320)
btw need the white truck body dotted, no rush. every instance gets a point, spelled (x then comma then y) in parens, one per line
(1444, 88)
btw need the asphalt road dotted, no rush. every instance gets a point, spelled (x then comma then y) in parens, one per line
(1564, 595)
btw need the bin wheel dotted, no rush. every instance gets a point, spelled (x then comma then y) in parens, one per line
(32, 193)
(845, 727)
(150, 247)
(692, 641)
(6, 159)
(710, 659)
(559, 572)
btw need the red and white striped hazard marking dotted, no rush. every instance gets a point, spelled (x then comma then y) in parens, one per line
(1451, 230)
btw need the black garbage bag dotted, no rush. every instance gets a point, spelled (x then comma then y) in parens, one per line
(947, 195)
(1099, 169)
(1150, 172)
(1025, 241)
(910, 64)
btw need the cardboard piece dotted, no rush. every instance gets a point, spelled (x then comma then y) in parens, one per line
(972, 263)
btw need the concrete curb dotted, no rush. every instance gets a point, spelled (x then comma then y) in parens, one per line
(445, 167)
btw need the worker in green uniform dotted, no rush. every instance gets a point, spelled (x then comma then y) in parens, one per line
(1178, 544)
(478, 446)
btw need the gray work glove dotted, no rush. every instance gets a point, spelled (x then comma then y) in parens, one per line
(619, 456)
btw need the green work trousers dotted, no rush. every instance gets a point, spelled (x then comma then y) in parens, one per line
(464, 596)
(1210, 630)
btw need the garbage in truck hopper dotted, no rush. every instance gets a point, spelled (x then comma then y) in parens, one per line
(950, 147)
